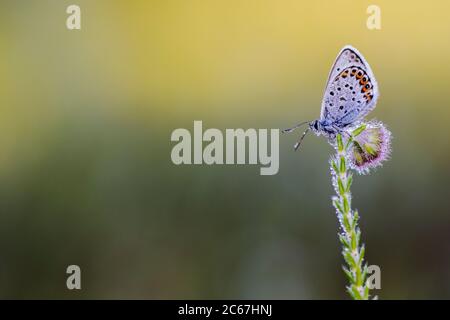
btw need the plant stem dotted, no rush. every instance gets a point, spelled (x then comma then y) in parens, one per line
(350, 235)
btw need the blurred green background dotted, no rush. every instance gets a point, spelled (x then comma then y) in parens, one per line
(86, 176)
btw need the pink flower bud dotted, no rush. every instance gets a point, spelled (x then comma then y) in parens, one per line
(370, 148)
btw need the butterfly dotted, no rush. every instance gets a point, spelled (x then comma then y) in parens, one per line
(350, 94)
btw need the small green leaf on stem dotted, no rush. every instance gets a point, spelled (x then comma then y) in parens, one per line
(344, 240)
(356, 294)
(361, 254)
(341, 187)
(340, 145)
(346, 205)
(358, 130)
(364, 272)
(355, 219)
(342, 168)
(354, 241)
(349, 275)
(349, 182)
(335, 168)
(366, 292)
(338, 205)
(349, 259)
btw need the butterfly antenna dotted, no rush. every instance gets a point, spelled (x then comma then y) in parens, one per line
(297, 145)
(289, 130)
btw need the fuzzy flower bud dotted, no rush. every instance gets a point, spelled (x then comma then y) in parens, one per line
(370, 147)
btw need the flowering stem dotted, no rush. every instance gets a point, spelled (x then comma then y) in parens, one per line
(350, 235)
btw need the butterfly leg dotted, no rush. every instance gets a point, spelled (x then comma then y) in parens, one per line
(297, 145)
(338, 130)
(349, 136)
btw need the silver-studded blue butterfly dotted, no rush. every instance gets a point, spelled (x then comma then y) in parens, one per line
(350, 94)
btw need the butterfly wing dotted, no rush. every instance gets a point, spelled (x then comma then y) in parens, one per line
(351, 91)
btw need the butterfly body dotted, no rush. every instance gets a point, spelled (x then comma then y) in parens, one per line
(324, 126)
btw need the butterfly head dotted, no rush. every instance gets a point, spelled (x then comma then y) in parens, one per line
(318, 126)
(315, 126)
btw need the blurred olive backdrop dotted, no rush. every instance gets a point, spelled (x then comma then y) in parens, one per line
(86, 176)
